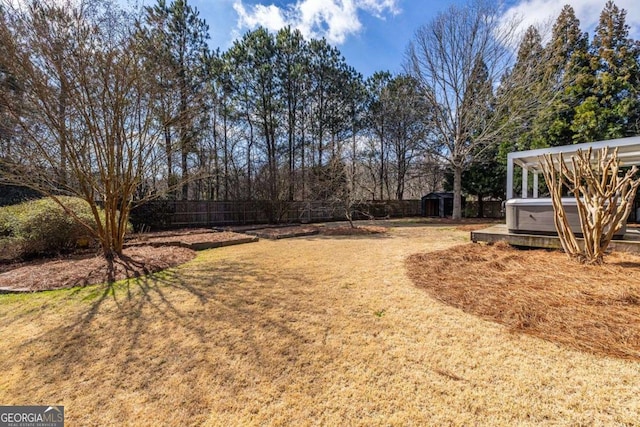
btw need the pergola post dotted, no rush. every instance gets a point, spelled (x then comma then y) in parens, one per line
(509, 176)
(535, 184)
(525, 182)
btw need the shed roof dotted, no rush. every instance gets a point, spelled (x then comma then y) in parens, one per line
(439, 195)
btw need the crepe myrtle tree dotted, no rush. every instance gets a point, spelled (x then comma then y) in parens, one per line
(85, 126)
(604, 197)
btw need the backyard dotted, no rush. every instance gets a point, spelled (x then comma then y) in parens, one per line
(321, 330)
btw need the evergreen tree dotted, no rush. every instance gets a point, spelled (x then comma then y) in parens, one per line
(406, 126)
(612, 108)
(291, 65)
(256, 76)
(10, 89)
(325, 63)
(568, 78)
(518, 135)
(377, 121)
(175, 43)
(485, 178)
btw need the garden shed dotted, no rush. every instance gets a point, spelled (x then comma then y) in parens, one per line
(438, 204)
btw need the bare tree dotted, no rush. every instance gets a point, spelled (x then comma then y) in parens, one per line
(459, 58)
(604, 200)
(106, 139)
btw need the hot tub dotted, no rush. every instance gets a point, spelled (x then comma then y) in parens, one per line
(535, 216)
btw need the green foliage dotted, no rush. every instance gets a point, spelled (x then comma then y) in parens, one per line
(43, 227)
(380, 313)
(486, 177)
(593, 87)
(177, 57)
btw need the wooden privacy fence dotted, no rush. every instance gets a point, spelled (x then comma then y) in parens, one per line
(209, 213)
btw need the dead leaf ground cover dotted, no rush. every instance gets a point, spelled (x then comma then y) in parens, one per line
(320, 330)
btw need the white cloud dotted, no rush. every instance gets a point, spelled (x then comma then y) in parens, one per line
(541, 12)
(270, 17)
(377, 7)
(333, 19)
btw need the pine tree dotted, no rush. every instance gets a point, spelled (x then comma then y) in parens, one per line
(10, 89)
(291, 68)
(532, 97)
(406, 126)
(377, 116)
(176, 48)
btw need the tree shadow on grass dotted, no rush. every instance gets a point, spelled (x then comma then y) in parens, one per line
(230, 323)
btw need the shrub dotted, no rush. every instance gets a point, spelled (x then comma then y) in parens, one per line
(42, 227)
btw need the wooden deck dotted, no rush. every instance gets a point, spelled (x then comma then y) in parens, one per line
(499, 233)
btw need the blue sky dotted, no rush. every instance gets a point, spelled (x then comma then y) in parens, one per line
(373, 34)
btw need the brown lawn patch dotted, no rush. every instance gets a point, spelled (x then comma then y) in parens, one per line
(542, 293)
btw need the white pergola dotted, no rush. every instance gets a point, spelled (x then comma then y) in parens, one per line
(530, 160)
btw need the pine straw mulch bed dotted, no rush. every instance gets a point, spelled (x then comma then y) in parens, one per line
(184, 237)
(284, 232)
(541, 293)
(359, 230)
(148, 253)
(83, 270)
(308, 230)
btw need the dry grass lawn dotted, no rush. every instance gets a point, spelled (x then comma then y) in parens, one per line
(322, 330)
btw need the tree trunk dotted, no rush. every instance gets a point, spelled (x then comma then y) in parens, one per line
(291, 135)
(249, 168)
(303, 170)
(225, 148)
(402, 170)
(215, 188)
(62, 117)
(457, 193)
(185, 173)
(169, 153)
(382, 166)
